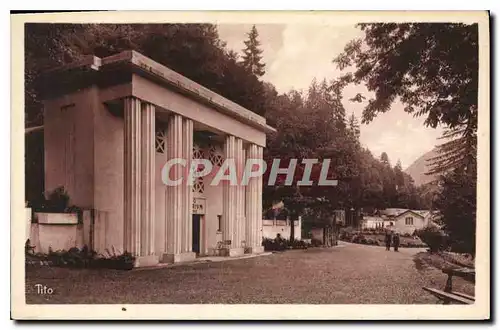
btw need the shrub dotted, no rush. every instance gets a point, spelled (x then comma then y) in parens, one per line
(433, 237)
(346, 234)
(274, 244)
(57, 202)
(358, 238)
(371, 241)
(268, 244)
(296, 244)
(86, 258)
(316, 242)
(28, 248)
(460, 246)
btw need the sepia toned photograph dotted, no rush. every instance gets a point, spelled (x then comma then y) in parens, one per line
(331, 160)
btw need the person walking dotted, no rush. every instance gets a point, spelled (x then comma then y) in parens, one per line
(396, 242)
(388, 239)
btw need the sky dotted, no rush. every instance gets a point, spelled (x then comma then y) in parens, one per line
(295, 54)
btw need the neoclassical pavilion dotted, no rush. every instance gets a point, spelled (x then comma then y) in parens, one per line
(112, 123)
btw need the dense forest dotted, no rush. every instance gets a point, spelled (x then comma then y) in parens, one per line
(312, 124)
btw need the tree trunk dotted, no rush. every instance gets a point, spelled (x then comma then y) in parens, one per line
(292, 231)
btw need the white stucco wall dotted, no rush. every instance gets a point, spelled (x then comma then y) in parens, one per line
(108, 177)
(270, 231)
(372, 223)
(84, 153)
(69, 139)
(55, 237)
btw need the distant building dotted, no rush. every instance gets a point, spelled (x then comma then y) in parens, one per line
(277, 220)
(272, 227)
(339, 217)
(404, 221)
(372, 222)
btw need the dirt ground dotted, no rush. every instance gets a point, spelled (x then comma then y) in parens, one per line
(347, 274)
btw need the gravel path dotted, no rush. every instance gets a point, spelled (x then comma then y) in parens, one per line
(348, 274)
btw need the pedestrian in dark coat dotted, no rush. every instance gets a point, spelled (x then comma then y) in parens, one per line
(396, 242)
(388, 239)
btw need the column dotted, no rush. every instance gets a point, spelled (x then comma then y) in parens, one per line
(132, 176)
(148, 177)
(228, 199)
(174, 151)
(258, 219)
(139, 181)
(231, 208)
(187, 203)
(179, 197)
(253, 206)
(251, 202)
(240, 195)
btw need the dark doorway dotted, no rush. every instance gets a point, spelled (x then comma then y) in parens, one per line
(196, 233)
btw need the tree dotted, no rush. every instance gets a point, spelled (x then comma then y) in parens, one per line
(252, 54)
(417, 63)
(313, 125)
(432, 68)
(457, 205)
(398, 166)
(384, 159)
(353, 126)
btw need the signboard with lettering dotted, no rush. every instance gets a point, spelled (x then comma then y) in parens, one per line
(199, 205)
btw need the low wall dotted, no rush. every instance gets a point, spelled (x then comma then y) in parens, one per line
(270, 228)
(60, 232)
(56, 237)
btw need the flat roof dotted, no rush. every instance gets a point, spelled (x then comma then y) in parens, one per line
(161, 74)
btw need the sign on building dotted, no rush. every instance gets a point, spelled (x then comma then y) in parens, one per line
(199, 205)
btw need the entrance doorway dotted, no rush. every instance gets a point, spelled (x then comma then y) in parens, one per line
(196, 233)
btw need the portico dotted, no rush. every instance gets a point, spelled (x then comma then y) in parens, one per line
(111, 124)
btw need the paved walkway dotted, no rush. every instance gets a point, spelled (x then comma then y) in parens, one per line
(340, 275)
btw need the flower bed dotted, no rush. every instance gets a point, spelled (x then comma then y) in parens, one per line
(378, 238)
(281, 244)
(79, 258)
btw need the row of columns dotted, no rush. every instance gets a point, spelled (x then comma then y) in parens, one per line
(179, 241)
(139, 174)
(242, 205)
(253, 229)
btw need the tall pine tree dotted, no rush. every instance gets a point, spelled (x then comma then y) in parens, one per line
(353, 126)
(252, 54)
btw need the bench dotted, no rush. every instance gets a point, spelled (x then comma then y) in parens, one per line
(447, 295)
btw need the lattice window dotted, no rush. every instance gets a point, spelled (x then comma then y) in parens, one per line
(198, 153)
(215, 156)
(160, 141)
(198, 185)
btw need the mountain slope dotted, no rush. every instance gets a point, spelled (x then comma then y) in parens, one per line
(419, 167)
